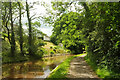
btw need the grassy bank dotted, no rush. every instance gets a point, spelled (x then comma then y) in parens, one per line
(62, 70)
(53, 49)
(103, 72)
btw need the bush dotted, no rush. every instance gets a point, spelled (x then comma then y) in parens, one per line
(52, 52)
(5, 48)
(60, 51)
(51, 47)
(43, 51)
(68, 51)
(56, 47)
(40, 52)
(42, 44)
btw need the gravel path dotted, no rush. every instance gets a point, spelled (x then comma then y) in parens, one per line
(81, 70)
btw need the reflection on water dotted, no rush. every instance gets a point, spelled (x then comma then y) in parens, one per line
(32, 69)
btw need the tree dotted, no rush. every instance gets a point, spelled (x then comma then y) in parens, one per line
(66, 31)
(100, 36)
(30, 42)
(20, 30)
(12, 32)
(5, 20)
(97, 27)
(59, 8)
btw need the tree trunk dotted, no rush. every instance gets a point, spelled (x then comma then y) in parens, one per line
(12, 34)
(30, 30)
(20, 30)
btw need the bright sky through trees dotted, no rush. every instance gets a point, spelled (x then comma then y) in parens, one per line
(41, 8)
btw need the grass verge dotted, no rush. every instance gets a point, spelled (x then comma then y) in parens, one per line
(62, 70)
(103, 72)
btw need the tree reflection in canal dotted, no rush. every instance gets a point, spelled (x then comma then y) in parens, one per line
(32, 69)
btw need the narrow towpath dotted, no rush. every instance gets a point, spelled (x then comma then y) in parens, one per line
(80, 69)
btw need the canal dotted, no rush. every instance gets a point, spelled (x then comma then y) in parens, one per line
(32, 69)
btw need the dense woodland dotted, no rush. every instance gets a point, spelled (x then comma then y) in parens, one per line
(94, 28)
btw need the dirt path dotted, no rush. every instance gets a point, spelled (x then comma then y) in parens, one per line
(80, 69)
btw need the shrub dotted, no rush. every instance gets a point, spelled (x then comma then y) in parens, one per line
(41, 52)
(44, 51)
(60, 51)
(52, 52)
(56, 47)
(68, 51)
(51, 47)
(42, 44)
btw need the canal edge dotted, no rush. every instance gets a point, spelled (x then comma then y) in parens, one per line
(52, 70)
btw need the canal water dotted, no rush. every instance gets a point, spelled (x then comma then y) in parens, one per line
(32, 69)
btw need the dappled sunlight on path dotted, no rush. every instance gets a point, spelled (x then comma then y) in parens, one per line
(80, 69)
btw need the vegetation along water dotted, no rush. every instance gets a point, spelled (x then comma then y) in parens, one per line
(36, 35)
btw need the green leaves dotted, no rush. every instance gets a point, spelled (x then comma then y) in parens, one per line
(97, 28)
(65, 31)
(64, 25)
(36, 24)
(4, 34)
(67, 22)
